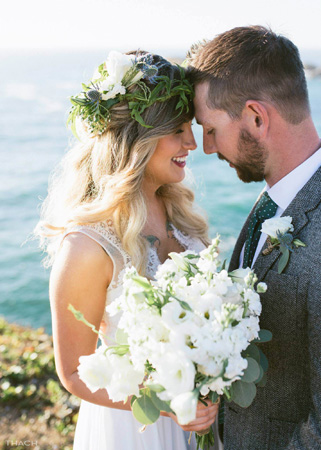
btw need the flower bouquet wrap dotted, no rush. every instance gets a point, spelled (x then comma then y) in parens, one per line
(188, 335)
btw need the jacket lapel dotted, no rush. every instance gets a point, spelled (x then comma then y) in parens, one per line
(307, 199)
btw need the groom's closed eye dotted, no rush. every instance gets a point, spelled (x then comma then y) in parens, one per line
(211, 131)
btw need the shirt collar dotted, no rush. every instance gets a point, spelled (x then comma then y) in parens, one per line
(284, 191)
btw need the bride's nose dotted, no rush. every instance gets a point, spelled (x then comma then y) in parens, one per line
(189, 142)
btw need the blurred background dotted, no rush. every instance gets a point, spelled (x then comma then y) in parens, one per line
(48, 48)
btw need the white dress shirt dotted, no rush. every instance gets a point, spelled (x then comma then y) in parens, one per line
(284, 191)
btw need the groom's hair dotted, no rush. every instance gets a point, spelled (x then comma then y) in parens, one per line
(252, 63)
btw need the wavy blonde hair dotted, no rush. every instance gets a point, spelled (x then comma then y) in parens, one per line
(101, 177)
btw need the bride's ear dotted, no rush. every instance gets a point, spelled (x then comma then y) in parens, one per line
(255, 117)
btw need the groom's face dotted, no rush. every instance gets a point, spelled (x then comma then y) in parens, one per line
(229, 139)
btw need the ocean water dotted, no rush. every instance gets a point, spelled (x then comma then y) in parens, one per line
(34, 90)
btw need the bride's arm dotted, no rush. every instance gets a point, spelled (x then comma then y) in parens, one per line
(81, 274)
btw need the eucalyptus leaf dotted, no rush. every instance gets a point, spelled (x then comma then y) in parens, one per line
(264, 336)
(132, 400)
(243, 393)
(252, 372)
(283, 260)
(160, 404)
(144, 409)
(260, 376)
(263, 381)
(263, 361)
(213, 396)
(252, 351)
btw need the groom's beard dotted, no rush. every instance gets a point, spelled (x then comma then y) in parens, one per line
(250, 164)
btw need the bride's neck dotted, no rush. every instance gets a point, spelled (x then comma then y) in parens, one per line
(156, 211)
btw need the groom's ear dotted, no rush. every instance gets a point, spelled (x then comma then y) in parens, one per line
(255, 116)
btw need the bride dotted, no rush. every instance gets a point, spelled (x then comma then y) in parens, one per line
(116, 201)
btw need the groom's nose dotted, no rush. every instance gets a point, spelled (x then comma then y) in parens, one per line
(208, 144)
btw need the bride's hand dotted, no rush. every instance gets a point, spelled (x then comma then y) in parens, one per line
(205, 417)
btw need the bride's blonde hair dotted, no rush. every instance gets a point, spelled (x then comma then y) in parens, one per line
(100, 179)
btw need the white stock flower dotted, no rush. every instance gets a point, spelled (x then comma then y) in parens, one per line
(249, 327)
(281, 224)
(218, 385)
(254, 301)
(235, 368)
(206, 265)
(95, 370)
(184, 406)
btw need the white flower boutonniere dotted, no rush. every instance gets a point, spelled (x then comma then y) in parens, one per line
(279, 231)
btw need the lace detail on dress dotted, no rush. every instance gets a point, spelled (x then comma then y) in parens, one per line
(186, 241)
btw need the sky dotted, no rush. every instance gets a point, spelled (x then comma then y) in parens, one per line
(149, 24)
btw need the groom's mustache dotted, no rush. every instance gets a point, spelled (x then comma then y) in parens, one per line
(222, 158)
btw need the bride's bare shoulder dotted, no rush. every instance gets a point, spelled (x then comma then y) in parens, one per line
(82, 257)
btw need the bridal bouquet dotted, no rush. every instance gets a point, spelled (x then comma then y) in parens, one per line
(188, 335)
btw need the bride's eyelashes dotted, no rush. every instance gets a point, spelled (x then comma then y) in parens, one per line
(179, 131)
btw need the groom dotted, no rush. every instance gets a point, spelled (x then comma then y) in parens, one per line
(252, 101)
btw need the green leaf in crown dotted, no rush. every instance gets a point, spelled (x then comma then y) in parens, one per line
(110, 85)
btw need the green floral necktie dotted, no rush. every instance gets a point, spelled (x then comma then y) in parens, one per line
(265, 209)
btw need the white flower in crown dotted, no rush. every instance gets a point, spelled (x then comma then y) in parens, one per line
(112, 91)
(277, 224)
(118, 64)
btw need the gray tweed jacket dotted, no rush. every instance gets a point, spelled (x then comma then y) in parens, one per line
(286, 413)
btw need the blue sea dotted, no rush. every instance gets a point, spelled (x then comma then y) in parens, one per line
(34, 90)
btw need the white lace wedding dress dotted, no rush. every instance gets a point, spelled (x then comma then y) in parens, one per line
(102, 428)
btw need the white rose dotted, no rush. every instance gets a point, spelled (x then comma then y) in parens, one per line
(95, 370)
(117, 64)
(184, 406)
(281, 224)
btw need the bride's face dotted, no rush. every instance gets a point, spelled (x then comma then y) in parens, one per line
(169, 159)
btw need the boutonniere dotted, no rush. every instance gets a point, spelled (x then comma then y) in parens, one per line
(279, 231)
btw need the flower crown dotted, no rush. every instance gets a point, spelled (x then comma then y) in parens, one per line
(110, 85)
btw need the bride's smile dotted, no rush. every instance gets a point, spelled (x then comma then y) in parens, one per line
(169, 158)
